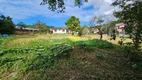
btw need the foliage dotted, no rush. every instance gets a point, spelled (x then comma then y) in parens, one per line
(83, 30)
(38, 54)
(60, 50)
(133, 56)
(49, 59)
(92, 21)
(42, 27)
(80, 32)
(102, 44)
(100, 56)
(113, 35)
(109, 27)
(1, 40)
(99, 21)
(73, 24)
(21, 25)
(7, 25)
(127, 49)
(130, 14)
(43, 61)
(62, 41)
(59, 5)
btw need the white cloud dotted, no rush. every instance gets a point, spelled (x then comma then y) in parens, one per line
(23, 9)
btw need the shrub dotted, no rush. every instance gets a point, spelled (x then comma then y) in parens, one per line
(60, 50)
(95, 43)
(62, 41)
(1, 40)
(43, 61)
(127, 49)
(100, 55)
(7, 27)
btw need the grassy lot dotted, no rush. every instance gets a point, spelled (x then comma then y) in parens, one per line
(67, 57)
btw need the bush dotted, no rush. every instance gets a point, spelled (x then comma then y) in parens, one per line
(7, 27)
(43, 61)
(102, 44)
(1, 40)
(62, 41)
(127, 49)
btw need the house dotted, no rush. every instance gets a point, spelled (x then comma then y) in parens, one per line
(59, 30)
(120, 28)
(26, 30)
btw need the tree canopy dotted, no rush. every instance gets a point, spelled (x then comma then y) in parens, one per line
(59, 5)
(6, 25)
(42, 27)
(73, 24)
(21, 25)
(130, 13)
(97, 20)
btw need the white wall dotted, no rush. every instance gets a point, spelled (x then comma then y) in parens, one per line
(59, 31)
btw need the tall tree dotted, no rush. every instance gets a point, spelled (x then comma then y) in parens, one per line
(92, 22)
(73, 24)
(130, 13)
(59, 5)
(85, 30)
(2, 17)
(6, 25)
(98, 21)
(42, 27)
(21, 25)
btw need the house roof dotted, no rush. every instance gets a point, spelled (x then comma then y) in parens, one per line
(59, 28)
(121, 25)
(27, 28)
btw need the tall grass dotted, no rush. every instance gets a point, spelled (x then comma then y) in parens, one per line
(39, 54)
(102, 44)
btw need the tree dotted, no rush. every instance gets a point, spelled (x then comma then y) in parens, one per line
(59, 5)
(113, 34)
(73, 24)
(6, 25)
(21, 25)
(83, 30)
(99, 21)
(42, 27)
(2, 17)
(130, 13)
(92, 23)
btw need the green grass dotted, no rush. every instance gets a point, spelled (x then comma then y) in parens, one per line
(43, 58)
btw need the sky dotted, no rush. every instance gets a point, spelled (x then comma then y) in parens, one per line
(30, 11)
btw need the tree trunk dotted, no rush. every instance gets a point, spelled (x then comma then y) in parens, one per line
(100, 33)
(101, 36)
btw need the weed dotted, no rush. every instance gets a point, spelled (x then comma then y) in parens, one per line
(95, 43)
(100, 55)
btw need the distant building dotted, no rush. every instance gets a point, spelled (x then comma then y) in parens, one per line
(59, 30)
(120, 28)
(26, 30)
